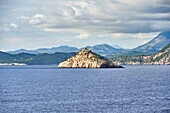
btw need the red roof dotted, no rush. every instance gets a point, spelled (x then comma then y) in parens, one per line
(85, 49)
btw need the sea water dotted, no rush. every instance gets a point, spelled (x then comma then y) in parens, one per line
(46, 89)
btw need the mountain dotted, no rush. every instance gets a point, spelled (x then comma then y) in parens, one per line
(19, 51)
(99, 49)
(32, 59)
(104, 49)
(126, 53)
(65, 49)
(117, 46)
(87, 59)
(161, 57)
(155, 44)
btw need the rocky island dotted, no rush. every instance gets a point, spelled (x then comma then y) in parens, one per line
(87, 59)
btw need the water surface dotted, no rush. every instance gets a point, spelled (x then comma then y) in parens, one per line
(133, 89)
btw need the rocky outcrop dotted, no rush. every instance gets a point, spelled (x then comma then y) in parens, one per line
(87, 59)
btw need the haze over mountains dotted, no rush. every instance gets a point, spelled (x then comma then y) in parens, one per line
(106, 50)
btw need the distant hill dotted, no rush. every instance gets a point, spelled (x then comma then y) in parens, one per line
(161, 57)
(104, 49)
(155, 44)
(126, 53)
(117, 46)
(19, 51)
(65, 49)
(108, 51)
(32, 59)
(99, 49)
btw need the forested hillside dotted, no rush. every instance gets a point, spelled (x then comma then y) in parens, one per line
(31, 59)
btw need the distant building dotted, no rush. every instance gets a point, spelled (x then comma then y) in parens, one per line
(85, 49)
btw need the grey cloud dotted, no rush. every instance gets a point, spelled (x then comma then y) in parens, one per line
(109, 16)
(157, 9)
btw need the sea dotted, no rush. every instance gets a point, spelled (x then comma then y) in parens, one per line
(48, 89)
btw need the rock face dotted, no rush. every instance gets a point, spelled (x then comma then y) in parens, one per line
(87, 59)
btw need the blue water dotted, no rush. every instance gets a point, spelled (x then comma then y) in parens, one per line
(134, 89)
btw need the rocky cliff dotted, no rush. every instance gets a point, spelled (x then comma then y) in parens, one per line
(162, 57)
(87, 59)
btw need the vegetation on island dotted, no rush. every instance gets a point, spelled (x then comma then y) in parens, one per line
(32, 59)
(87, 59)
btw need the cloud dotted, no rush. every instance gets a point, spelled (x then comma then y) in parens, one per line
(38, 16)
(17, 40)
(106, 16)
(14, 25)
(24, 17)
(37, 19)
(8, 27)
(5, 27)
(145, 36)
(82, 36)
(24, 9)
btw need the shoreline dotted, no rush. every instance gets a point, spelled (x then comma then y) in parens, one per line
(22, 64)
(12, 64)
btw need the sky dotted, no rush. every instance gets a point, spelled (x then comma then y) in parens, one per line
(33, 24)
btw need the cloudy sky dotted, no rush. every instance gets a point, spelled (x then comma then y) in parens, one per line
(33, 24)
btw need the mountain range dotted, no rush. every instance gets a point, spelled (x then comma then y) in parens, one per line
(161, 57)
(104, 49)
(65, 49)
(109, 51)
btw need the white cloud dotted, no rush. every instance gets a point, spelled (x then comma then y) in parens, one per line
(37, 19)
(8, 27)
(24, 17)
(4, 27)
(38, 16)
(14, 25)
(82, 36)
(129, 35)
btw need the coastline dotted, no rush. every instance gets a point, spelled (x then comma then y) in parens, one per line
(22, 64)
(137, 63)
(12, 64)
